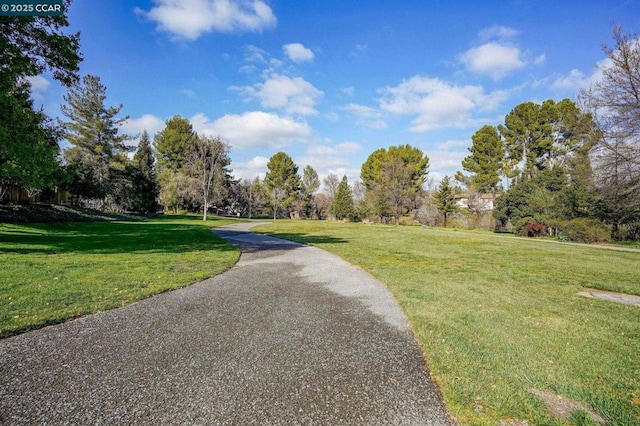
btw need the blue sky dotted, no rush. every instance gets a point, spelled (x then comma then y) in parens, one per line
(328, 82)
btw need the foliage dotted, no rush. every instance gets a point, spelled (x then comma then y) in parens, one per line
(552, 194)
(445, 199)
(206, 161)
(342, 206)
(529, 227)
(172, 143)
(393, 178)
(30, 45)
(543, 135)
(486, 160)
(585, 230)
(145, 183)
(309, 186)
(497, 315)
(282, 181)
(248, 198)
(97, 149)
(28, 143)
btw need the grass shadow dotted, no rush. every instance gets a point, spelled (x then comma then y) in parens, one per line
(305, 238)
(171, 235)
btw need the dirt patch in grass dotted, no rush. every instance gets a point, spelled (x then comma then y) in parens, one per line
(628, 299)
(564, 408)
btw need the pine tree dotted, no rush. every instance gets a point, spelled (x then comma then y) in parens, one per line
(445, 198)
(282, 181)
(146, 188)
(486, 159)
(93, 129)
(342, 207)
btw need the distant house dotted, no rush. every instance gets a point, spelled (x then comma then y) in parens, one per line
(478, 202)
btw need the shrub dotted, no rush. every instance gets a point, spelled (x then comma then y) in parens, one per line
(528, 226)
(584, 230)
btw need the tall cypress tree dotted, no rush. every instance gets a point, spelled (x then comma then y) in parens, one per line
(342, 207)
(146, 188)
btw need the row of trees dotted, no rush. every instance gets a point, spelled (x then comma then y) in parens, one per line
(29, 150)
(564, 162)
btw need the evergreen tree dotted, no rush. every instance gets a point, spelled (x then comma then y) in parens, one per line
(97, 148)
(145, 184)
(393, 178)
(282, 181)
(342, 207)
(486, 160)
(445, 198)
(172, 143)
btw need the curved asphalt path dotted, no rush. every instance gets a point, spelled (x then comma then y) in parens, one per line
(290, 335)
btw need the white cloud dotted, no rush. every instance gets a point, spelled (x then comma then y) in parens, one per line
(572, 81)
(148, 122)
(249, 170)
(453, 143)
(497, 32)
(438, 104)
(188, 93)
(298, 53)
(253, 129)
(366, 116)
(292, 95)
(189, 19)
(39, 84)
(349, 91)
(340, 149)
(540, 60)
(493, 59)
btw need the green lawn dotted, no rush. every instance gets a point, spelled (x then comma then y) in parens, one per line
(56, 271)
(497, 315)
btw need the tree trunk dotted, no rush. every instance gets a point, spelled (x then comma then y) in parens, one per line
(205, 211)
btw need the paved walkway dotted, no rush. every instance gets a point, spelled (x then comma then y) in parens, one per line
(290, 335)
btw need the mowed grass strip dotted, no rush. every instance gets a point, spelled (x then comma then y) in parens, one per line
(52, 272)
(498, 315)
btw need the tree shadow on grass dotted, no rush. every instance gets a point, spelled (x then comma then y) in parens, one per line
(157, 236)
(308, 239)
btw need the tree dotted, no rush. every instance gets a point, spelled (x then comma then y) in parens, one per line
(445, 198)
(206, 161)
(528, 135)
(342, 206)
(93, 129)
(28, 144)
(172, 143)
(30, 45)
(486, 160)
(145, 184)
(248, 198)
(281, 181)
(310, 184)
(393, 178)
(614, 101)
